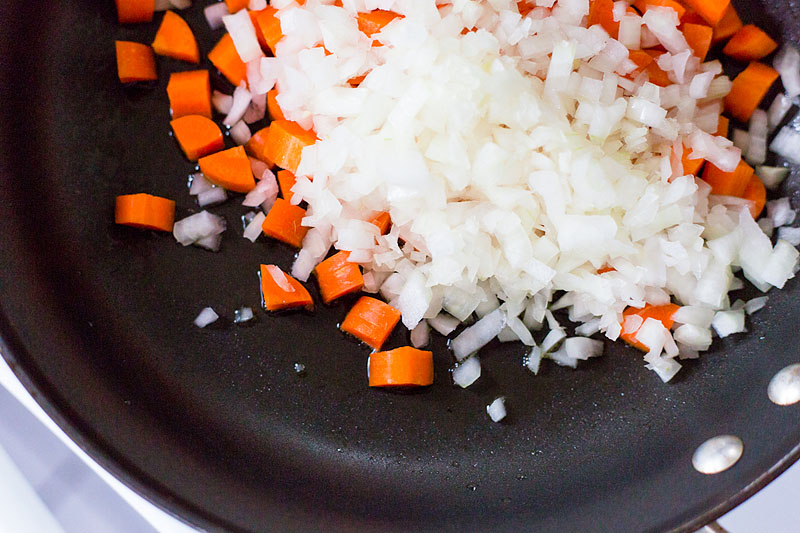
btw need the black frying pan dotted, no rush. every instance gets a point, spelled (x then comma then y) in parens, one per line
(216, 426)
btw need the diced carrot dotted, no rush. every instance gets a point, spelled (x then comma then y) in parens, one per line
(236, 5)
(175, 39)
(225, 57)
(748, 89)
(728, 183)
(401, 367)
(699, 38)
(285, 223)
(602, 12)
(371, 321)
(270, 26)
(691, 166)
(257, 146)
(135, 10)
(337, 277)
(229, 169)
(726, 27)
(383, 221)
(372, 22)
(654, 72)
(644, 5)
(722, 126)
(145, 211)
(523, 6)
(259, 34)
(283, 293)
(756, 193)
(197, 135)
(356, 81)
(135, 62)
(606, 268)
(272, 105)
(691, 17)
(711, 10)
(662, 313)
(642, 60)
(750, 43)
(286, 181)
(189, 93)
(285, 142)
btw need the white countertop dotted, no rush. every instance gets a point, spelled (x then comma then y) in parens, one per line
(50, 485)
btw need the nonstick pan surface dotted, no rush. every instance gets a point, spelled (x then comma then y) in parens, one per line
(217, 427)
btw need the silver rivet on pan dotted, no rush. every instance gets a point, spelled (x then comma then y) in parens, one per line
(784, 387)
(717, 454)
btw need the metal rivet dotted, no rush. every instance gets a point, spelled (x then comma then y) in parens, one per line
(784, 387)
(717, 454)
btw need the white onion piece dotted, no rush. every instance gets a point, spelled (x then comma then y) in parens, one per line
(213, 196)
(755, 304)
(790, 235)
(240, 133)
(253, 229)
(420, 335)
(257, 109)
(241, 99)
(582, 348)
(728, 322)
(212, 242)
(787, 144)
(787, 63)
(241, 29)
(207, 316)
(467, 372)
(198, 226)
(663, 22)
(200, 184)
(280, 279)
(630, 31)
(264, 193)
(561, 358)
(162, 5)
(257, 5)
(181, 4)
(478, 335)
(243, 315)
(444, 324)
(713, 149)
(214, 14)
(692, 336)
(780, 105)
(258, 167)
(497, 409)
(666, 368)
(222, 102)
(780, 212)
(534, 359)
(757, 146)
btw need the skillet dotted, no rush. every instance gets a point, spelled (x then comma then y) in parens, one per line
(216, 426)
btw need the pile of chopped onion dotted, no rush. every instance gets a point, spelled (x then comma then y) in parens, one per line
(516, 161)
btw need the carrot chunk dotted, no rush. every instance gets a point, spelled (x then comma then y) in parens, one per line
(286, 181)
(285, 223)
(281, 291)
(229, 169)
(371, 321)
(135, 62)
(135, 10)
(728, 183)
(383, 221)
(662, 313)
(655, 74)
(750, 43)
(711, 10)
(270, 27)
(691, 166)
(602, 12)
(699, 38)
(272, 105)
(756, 193)
(401, 367)
(642, 60)
(722, 126)
(257, 146)
(189, 93)
(748, 89)
(225, 57)
(337, 277)
(236, 5)
(726, 27)
(285, 142)
(145, 211)
(644, 5)
(372, 22)
(198, 136)
(175, 39)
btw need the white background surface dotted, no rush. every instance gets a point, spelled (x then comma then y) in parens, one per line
(776, 509)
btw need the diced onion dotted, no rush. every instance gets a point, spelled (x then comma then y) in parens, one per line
(207, 316)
